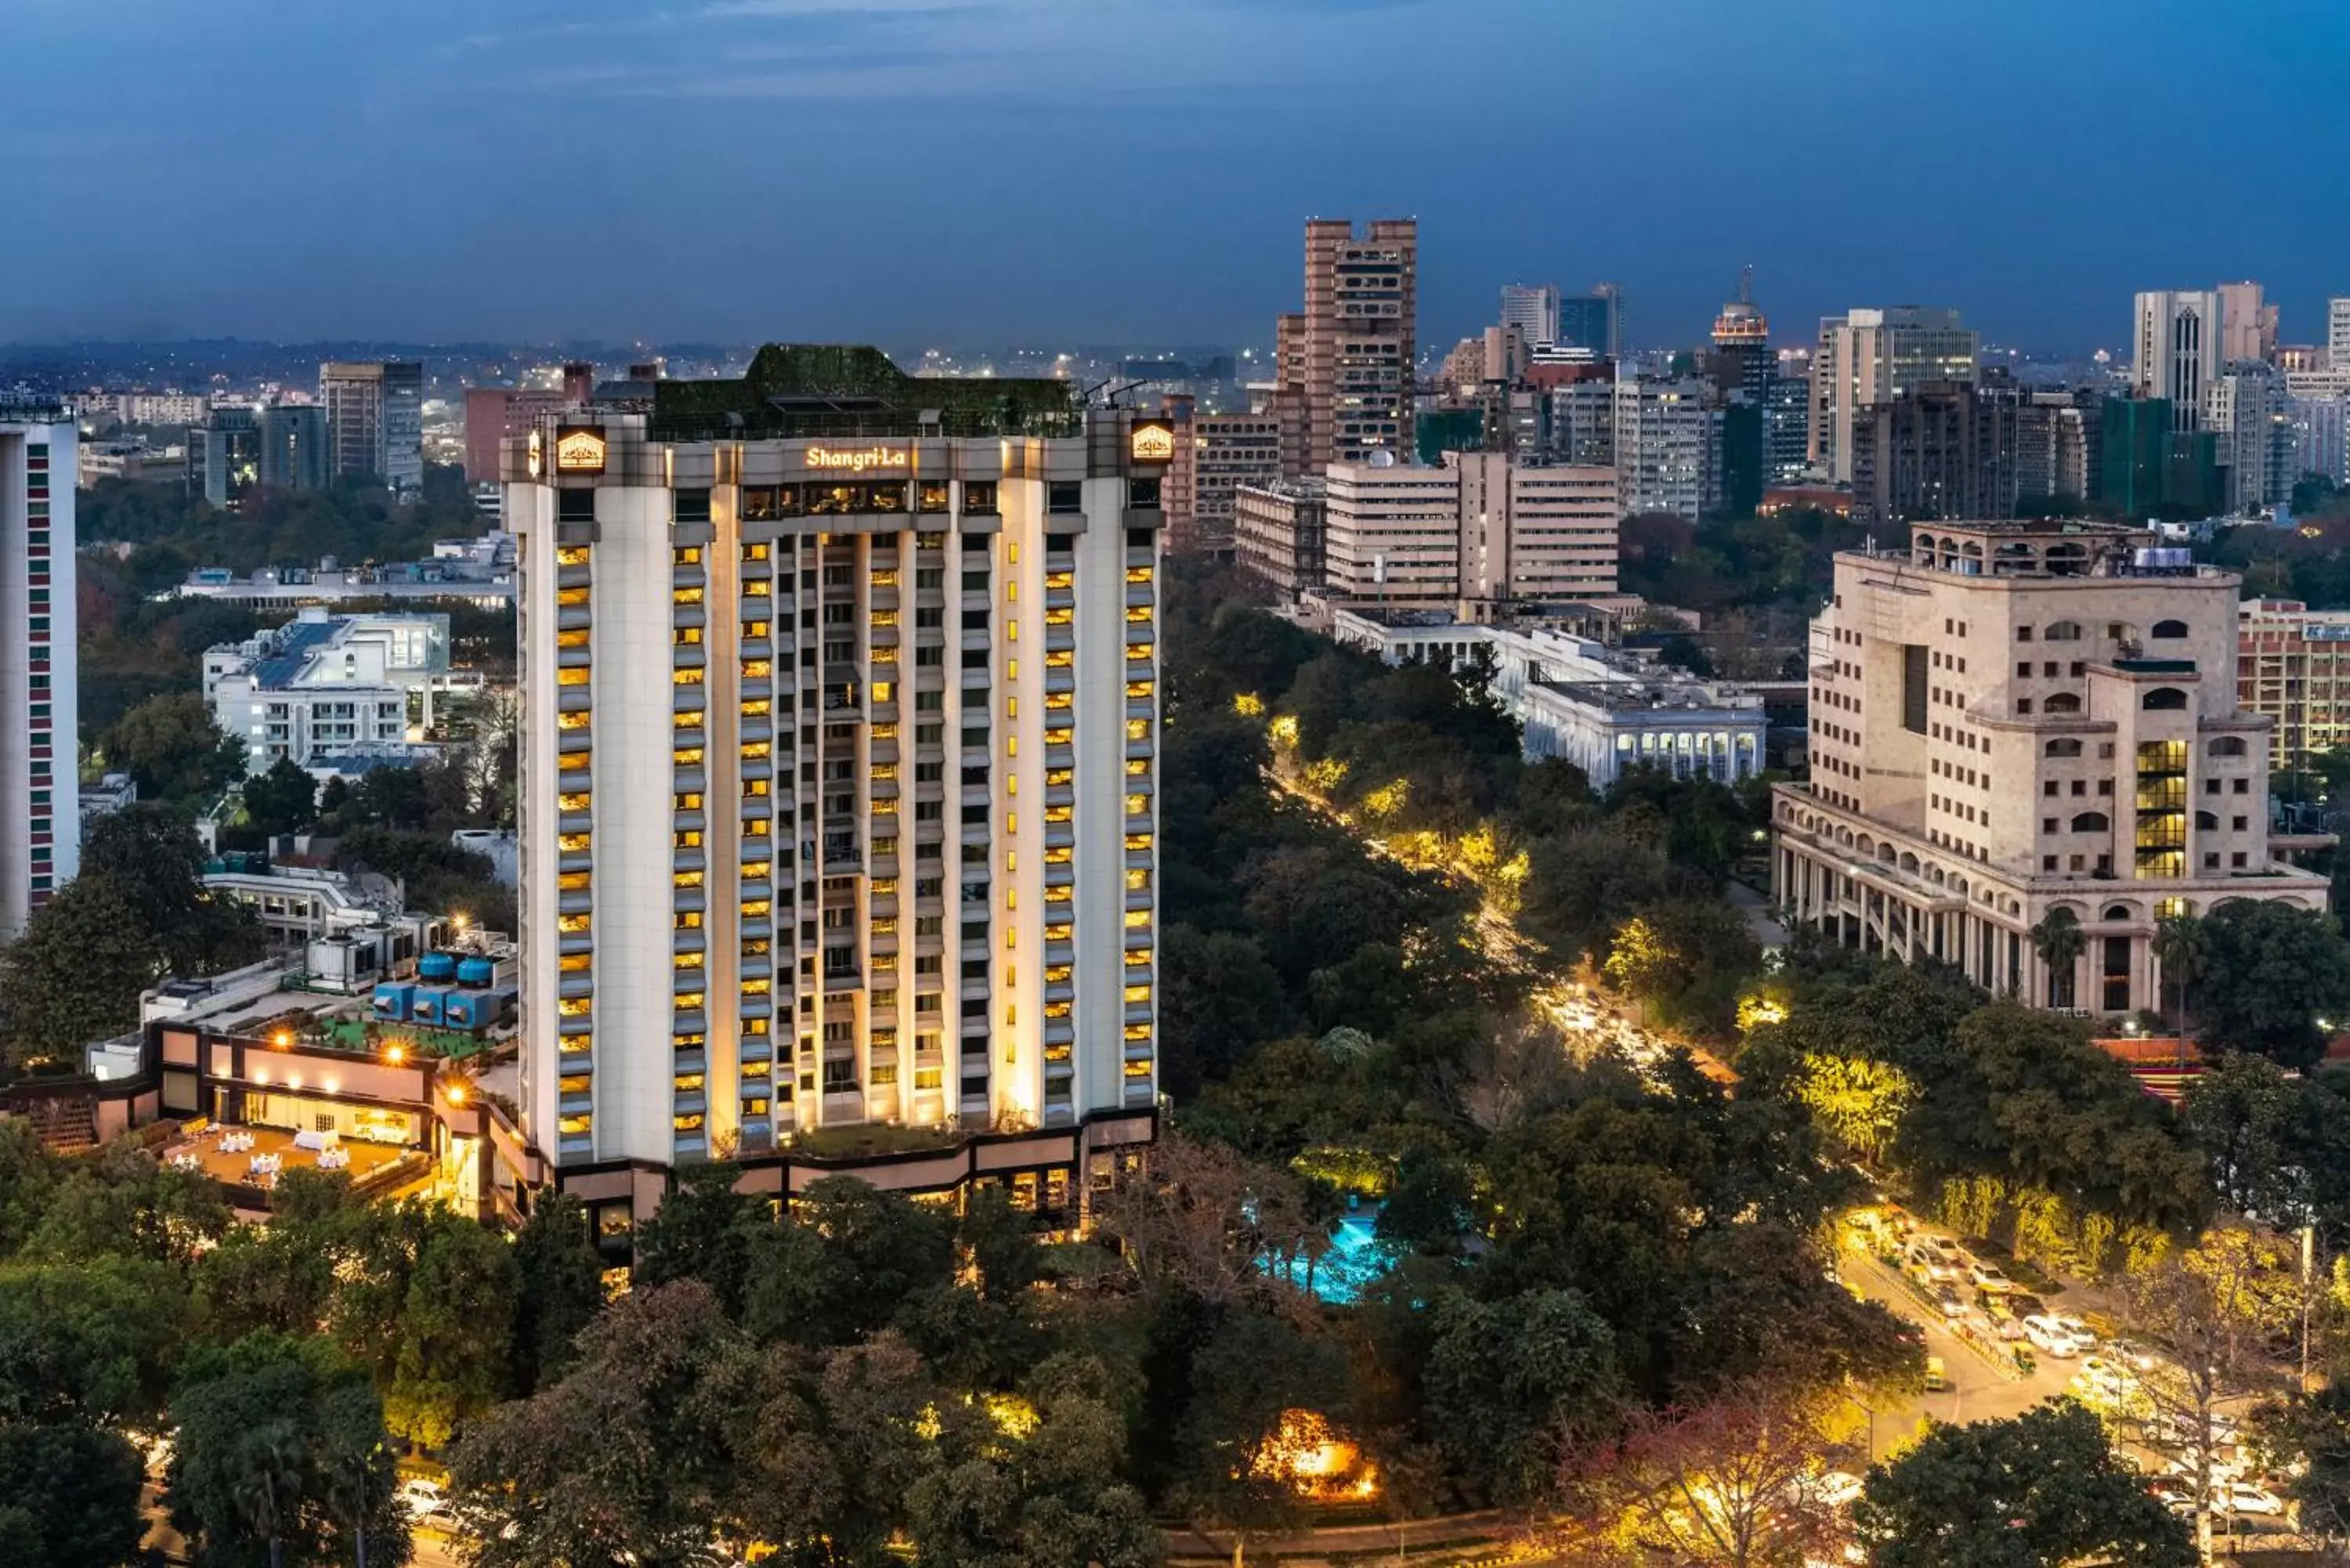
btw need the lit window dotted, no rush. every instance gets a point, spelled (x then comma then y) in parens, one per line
(754, 552)
(1135, 841)
(571, 598)
(1138, 919)
(686, 838)
(1138, 729)
(1137, 1033)
(757, 668)
(686, 636)
(574, 1006)
(687, 718)
(686, 756)
(757, 707)
(1137, 767)
(574, 964)
(686, 920)
(575, 1125)
(691, 675)
(685, 880)
(571, 554)
(687, 555)
(885, 691)
(754, 750)
(686, 596)
(1137, 690)
(685, 960)
(571, 720)
(686, 800)
(755, 628)
(1138, 1069)
(693, 1122)
(1138, 616)
(1138, 880)
(1137, 806)
(1137, 574)
(573, 842)
(572, 676)
(576, 636)
(688, 1082)
(572, 881)
(572, 800)
(575, 1084)
(756, 870)
(754, 788)
(571, 922)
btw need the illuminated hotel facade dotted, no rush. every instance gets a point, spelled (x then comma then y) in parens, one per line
(839, 817)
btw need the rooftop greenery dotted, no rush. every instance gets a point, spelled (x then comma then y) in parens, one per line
(854, 391)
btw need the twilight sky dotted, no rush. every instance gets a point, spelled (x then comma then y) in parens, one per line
(967, 172)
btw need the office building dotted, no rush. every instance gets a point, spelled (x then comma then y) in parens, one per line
(1533, 309)
(495, 415)
(1475, 527)
(1786, 427)
(2179, 337)
(1941, 449)
(1667, 447)
(2248, 324)
(322, 685)
(2317, 446)
(1592, 323)
(900, 638)
(1742, 360)
(2017, 719)
(293, 447)
(1578, 404)
(2292, 667)
(1277, 533)
(225, 455)
(1349, 362)
(2241, 408)
(2337, 332)
(1871, 356)
(375, 420)
(1216, 454)
(40, 801)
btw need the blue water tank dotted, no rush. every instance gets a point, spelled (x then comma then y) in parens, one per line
(391, 1002)
(476, 971)
(439, 968)
(427, 1006)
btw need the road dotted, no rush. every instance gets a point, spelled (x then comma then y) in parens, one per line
(1979, 1391)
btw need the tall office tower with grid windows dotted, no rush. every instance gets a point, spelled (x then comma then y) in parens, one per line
(1356, 344)
(40, 800)
(839, 782)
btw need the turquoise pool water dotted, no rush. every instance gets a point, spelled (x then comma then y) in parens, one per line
(1356, 1258)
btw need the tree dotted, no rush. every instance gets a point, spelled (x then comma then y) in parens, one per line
(1001, 1242)
(2041, 1487)
(2213, 1315)
(2183, 948)
(2275, 971)
(1734, 1482)
(1246, 1378)
(152, 853)
(1509, 1381)
(75, 976)
(172, 747)
(94, 1339)
(698, 1233)
(2305, 1439)
(629, 1456)
(282, 1452)
(71, 1489)
(283, 800)
(2255, 1123)
(560, 1279)
(1220, 998)
(1581, 885)
(1200, 1222)
(2060, 942)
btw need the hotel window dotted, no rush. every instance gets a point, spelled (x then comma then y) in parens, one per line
(574, 964)
(575, 676)
(686, 637)
(686, 838)
(688, 1123)
(571, 597)
(753, 629)
(686, 920)
(575, 1125)
(571, 720)
(687, 555)
(1138, 729)
(757, 668)
(688, 1000)
(1138, 616)
(756, 870)
(572, 800)
(687, 719)
(685, 597)
(685, 880)
(1137, 690)
(575, 1084)
(688, 1082)
(572, 881)
(686, 756)
(575, 1006)
(573, 842)
(685, 960)
(572, 923)
(576, 636)
(690, 676)
(571, 554)
(1138, 919)
(1137, 841)
(979, 495)
(686, 800)
(758, 708)
(1137, 806)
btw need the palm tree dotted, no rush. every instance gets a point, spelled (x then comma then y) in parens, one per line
(267, 1490)
(2183, 948)
(2060, 942)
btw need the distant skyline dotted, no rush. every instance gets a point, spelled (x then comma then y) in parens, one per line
(968, 171)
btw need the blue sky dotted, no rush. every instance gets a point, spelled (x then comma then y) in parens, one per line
(1059, 170)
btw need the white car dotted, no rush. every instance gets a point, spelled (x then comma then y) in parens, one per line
(2103, 1377)
(2084, 1336)
(1987, 1277)
(2050, 1336)
(1837, 1488)
(2245, 1497)
(422, 1497)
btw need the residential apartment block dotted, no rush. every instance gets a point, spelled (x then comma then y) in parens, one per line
(1349, 363)
(2017, 718)
(324, 684)
(2292, 667)
(892, 899)
(40, 800)
(1278, 534)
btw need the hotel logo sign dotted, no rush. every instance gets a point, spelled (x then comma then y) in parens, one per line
(1151, 440)
(864, 460)
(579, 451)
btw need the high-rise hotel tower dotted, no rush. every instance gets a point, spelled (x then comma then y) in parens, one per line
(839, 782)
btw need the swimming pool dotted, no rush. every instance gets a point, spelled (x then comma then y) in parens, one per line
(1356, 1258)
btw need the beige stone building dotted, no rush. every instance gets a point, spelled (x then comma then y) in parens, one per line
(1476, 527)
(2017, 718)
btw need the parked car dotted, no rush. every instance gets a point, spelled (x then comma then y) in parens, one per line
(1988, 1278)
(2174, 1495)
(2245, 1497)
(422, 1497)
(2105, 1378)
(2050, 1336)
